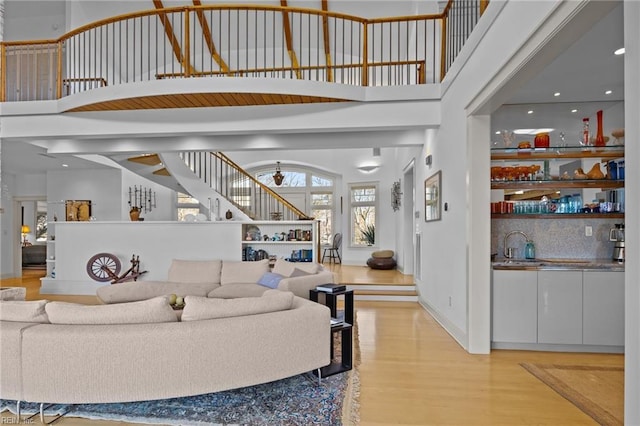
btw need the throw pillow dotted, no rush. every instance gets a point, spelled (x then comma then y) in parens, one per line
(24, 311)
(204, 308)
(298, 273)
(243, 272)
(270, 279)
(195, 271)
(144, 312)
(286, 268)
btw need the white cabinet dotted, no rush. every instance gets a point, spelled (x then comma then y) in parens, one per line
(514, 306)
(603, 294)
(560, 307)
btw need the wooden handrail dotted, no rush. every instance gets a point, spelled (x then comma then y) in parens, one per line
(167, 10)
(160, 76)
(265, 188)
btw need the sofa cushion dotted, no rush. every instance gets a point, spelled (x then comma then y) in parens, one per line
(23, 311)
(143, 290)
(382, 254)
(243, 272)
(286, 268)
(202, 308)
(144, 312)
(195, 271)
(238, 290)
(270, 279)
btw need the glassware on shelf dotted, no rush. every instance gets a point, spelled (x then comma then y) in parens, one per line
(600, 140)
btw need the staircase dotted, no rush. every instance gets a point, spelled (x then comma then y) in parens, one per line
(215, 180)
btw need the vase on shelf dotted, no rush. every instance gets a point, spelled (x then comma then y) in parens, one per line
(600, 141)
(134, 214)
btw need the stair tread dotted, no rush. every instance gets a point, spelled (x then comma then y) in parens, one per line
(386, 292)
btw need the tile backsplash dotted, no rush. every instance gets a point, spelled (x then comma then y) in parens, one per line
(556, 238)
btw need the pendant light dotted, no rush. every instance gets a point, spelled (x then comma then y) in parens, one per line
(278, 177)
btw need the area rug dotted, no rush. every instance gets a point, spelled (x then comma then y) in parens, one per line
(297, 400)
(596, 390)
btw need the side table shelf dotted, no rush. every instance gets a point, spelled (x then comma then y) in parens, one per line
(345, 329)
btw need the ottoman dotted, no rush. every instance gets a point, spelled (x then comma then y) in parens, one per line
(382, 259)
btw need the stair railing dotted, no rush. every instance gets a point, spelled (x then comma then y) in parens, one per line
(244, 191)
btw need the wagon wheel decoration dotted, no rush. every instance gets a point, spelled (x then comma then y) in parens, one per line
(103, 267)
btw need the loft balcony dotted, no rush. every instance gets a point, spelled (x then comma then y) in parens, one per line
(238, 54)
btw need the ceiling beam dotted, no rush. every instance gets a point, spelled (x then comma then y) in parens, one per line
(208, 39)
(168, 29)
(286, 24)
(325, 32)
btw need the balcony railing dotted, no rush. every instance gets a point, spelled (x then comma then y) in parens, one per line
(237, 41)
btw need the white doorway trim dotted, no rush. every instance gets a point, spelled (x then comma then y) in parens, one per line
(16, 235)
(408, 219)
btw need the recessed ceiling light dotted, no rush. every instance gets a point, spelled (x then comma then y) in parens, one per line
(498, 132)
(619, 51)
(608, 92)
(556, 94)
(530, 111)
(574, 110)
(65, 165)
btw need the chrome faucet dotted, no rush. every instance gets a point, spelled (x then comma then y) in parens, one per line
(509, 251)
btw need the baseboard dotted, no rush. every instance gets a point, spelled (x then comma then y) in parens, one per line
(548, 347)
(455, 332)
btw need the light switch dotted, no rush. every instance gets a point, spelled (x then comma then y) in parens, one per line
(588, 231)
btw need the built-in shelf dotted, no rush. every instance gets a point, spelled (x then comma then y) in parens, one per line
(560, 216)
(557, 153)
(558, 184)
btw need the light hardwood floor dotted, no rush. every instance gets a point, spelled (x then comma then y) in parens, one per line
(413, 373)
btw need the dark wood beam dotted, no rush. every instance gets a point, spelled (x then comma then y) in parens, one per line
(168, 29)
(286, 24)
(208, 39)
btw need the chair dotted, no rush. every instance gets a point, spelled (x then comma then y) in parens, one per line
(333, 249)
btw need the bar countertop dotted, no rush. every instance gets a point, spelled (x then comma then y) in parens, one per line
(556, 264)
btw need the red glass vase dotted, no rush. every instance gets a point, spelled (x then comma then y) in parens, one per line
(599, 136)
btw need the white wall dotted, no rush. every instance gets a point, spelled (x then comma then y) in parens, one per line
(34, 20)
(632, 268)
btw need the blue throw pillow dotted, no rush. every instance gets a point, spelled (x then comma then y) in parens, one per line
(270, 279)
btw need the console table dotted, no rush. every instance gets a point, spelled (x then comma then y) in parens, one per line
(345, 329)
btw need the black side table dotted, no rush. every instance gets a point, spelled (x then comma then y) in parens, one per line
(345, 329)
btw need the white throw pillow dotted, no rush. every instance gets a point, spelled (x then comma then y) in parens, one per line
(204, 308)
(143, 312)
(195, 271)
(286, 268)
(24, 311)
(243, 272)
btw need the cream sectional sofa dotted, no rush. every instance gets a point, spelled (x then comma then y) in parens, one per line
(222, 279)
(56, 352)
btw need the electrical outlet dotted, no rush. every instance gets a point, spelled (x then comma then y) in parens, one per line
(588, 231)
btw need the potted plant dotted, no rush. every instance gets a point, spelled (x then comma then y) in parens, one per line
(369, 234)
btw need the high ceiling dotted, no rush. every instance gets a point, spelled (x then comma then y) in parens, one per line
(581, 75)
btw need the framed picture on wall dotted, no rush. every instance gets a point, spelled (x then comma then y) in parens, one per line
(433, 197)
(77, 210)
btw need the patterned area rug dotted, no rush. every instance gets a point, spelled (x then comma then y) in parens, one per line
(596, 390)
(297, 400)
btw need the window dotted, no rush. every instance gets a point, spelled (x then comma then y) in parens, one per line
(322, 210)
(291, 179)
(186, 205)
(318, 192)
(41, 221)
(363, 200)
